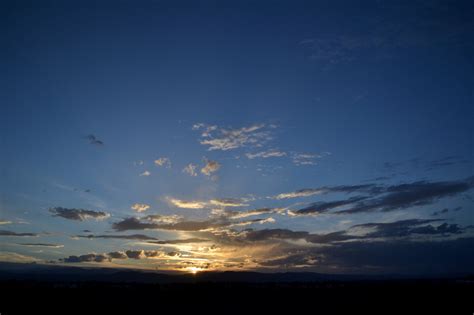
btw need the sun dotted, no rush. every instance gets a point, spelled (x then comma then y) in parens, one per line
(194, 270)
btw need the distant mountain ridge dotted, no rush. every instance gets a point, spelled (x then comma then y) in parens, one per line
(38, 272)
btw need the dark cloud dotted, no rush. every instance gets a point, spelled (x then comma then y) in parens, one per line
(87, 258)
(125, 237)
(397, 229)
(129, 254)
(413, 194)
(445, 210)
(135, 254)
(182, 241)
(321, 207)
(398, 256)
(403, 256)
(133, 224)
(93, 140)
(118, 255)
(266, 234)
(141, 254)
(78, 214)
(136, 224)
(11, 233)
(395, 197)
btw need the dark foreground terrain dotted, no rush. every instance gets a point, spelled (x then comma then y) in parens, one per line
(90, 291)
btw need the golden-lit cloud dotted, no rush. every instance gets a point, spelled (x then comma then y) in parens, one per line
(140, 207)
(163, 161)
(210, 167)
(187, 204)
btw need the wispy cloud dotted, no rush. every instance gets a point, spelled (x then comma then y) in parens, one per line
(265, 154)
(41, 245)
(190, 169)
(93, 140)
(218, 138)
(306, 192)
(11, 233)
(140, 237)
(300, 159)
(145, 173)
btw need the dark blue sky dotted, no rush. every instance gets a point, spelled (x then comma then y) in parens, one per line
(199, 113)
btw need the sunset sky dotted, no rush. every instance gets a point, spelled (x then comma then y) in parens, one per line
(238, 135)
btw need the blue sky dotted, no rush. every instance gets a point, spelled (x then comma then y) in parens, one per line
(105, 105)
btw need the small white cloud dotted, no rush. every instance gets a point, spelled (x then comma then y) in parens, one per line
(266, 154)
(301, 193)
(140, 207)
(145, 173)
(163, 161)
(210, 167)
(190, 169)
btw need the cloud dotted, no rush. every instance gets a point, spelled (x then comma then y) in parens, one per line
(41, 245)
(206, 225)
(306, 192)
(254, 212)
(322, 207)
(140, 207)
(158, 218)
(140, 237)
(128, 254)
(93, 140)
(265, 154)
(133, 224)
(217, 138)
(164, 161)
(180, 241)
(386, 198)
(227, 202)
(414, 194)
(78, 214)
(401, 256)
(2, 222)
(300, 159)
(445, 210)
(266, 234)
(145, 173)
(16, 258)
(135, 254)
(92, 257)
(190, 169)
(199, 204)
(210, 167)
(390, 230)
(118, 255)
(11, 233)
(187, 204)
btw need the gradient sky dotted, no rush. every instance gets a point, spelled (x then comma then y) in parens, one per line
(238, 135)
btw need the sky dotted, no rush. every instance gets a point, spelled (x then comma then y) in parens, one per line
(238, 135)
